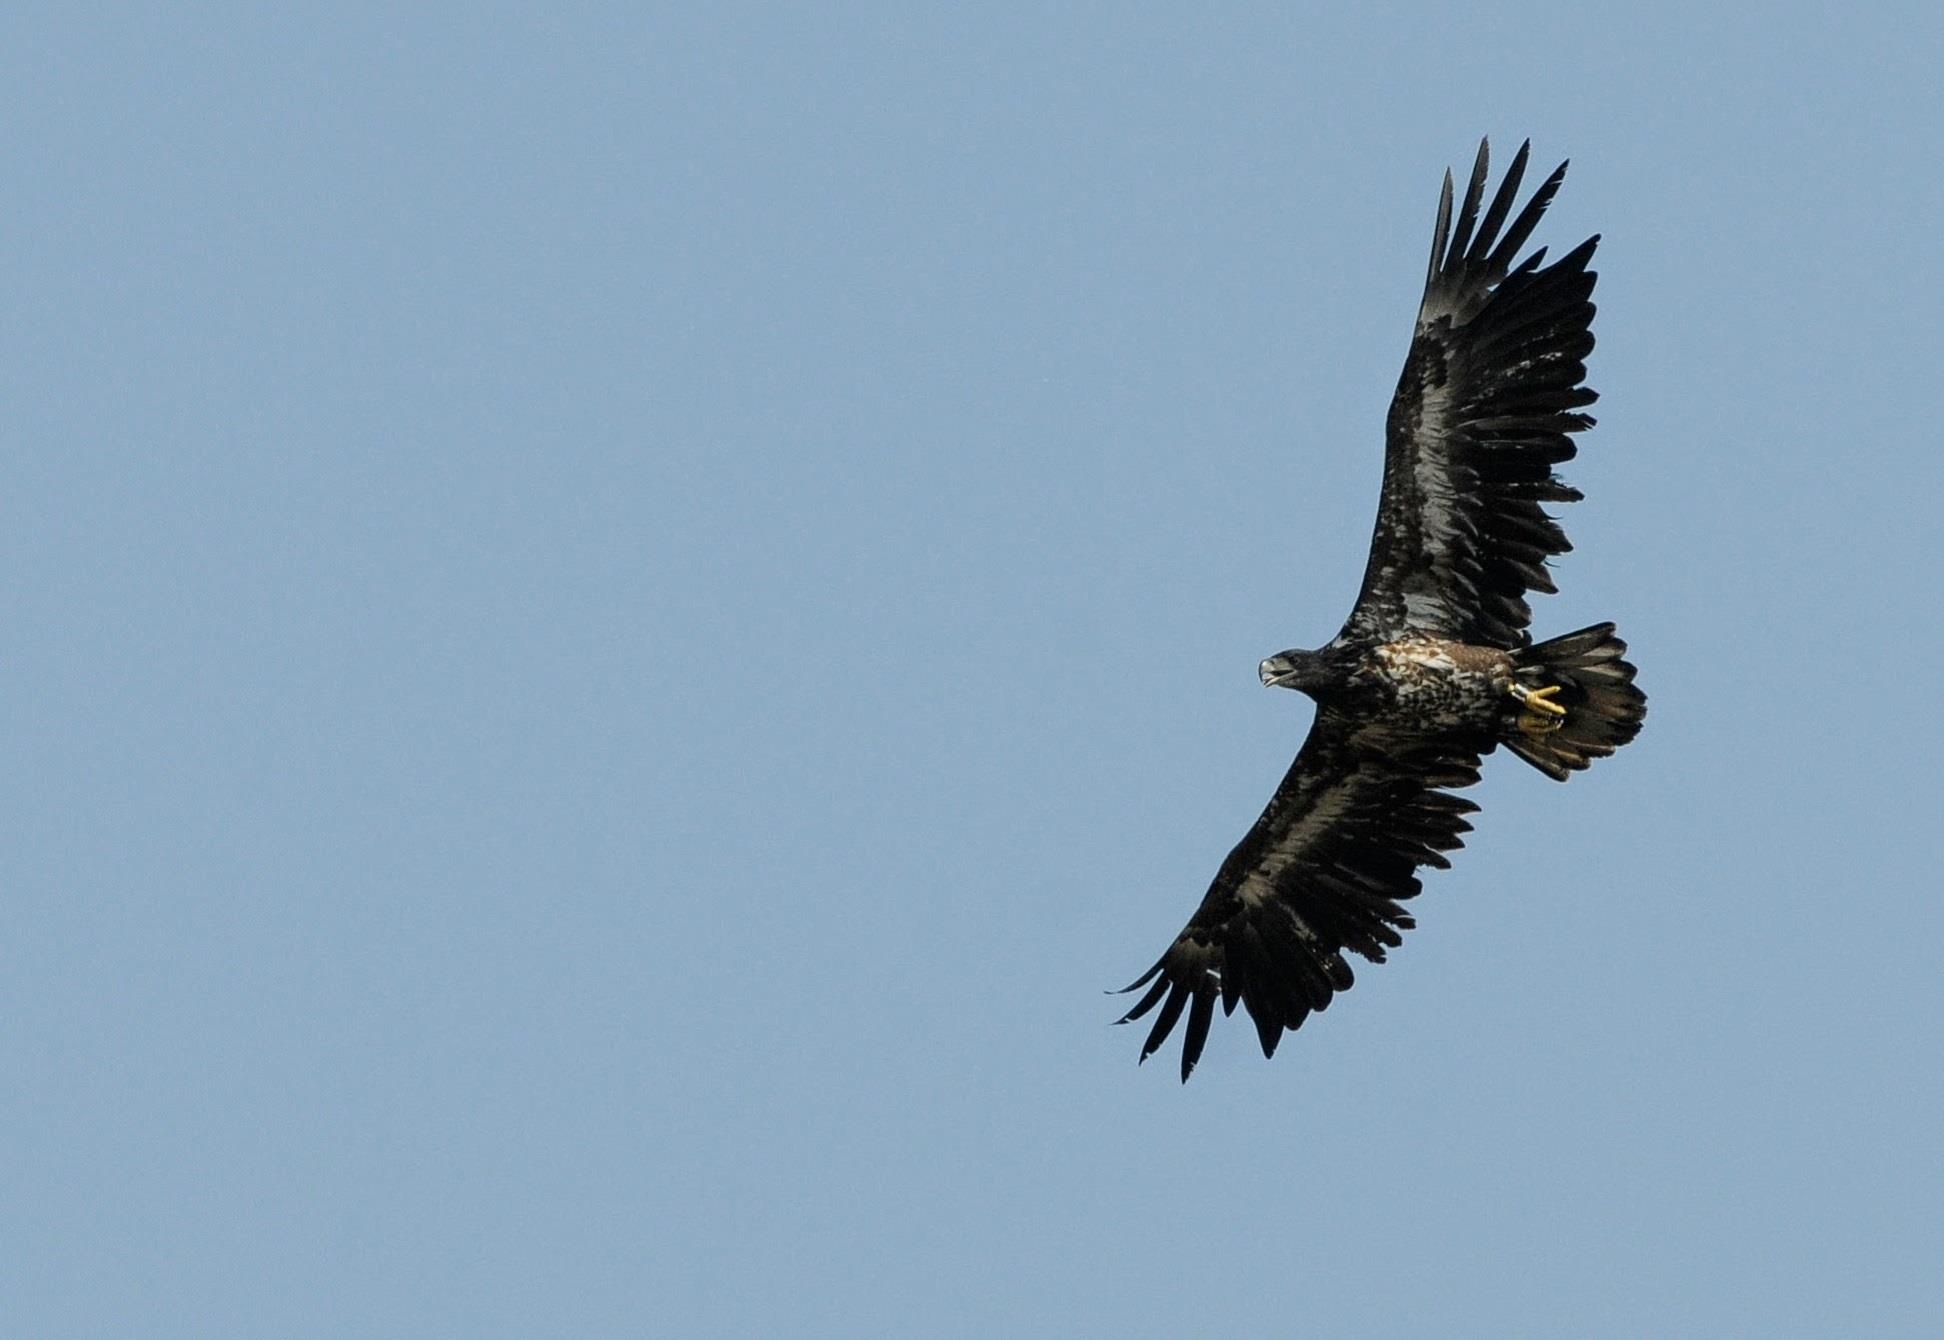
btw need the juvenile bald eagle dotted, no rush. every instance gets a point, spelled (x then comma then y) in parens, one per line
(1434, 668)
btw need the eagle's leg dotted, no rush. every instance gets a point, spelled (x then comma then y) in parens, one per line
(1542, 716)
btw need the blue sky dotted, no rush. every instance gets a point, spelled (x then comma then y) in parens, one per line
(617, 618)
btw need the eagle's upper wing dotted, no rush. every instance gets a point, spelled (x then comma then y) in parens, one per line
(1483, 411)
(1325, 869)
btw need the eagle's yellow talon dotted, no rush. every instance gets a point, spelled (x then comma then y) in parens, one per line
(1539, 700)
(1542, 716)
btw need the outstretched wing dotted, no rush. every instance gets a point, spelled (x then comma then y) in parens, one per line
(1484, 410)
(1325, 869)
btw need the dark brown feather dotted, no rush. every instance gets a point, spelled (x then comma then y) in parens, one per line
(1324, 871)
(1483, 411)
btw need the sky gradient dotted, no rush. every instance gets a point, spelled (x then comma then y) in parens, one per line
(618, 618)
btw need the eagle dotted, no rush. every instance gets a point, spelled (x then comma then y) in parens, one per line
(1434, 669)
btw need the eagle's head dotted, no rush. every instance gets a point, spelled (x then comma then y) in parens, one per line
(1309, 671)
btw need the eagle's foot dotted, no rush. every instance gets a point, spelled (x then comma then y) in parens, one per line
(1542, 716)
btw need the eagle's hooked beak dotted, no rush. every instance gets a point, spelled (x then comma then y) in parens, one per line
(1280, 671)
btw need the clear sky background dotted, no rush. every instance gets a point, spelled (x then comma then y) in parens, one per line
(616, 619)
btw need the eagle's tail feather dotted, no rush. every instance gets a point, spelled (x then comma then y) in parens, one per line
(1603, 707)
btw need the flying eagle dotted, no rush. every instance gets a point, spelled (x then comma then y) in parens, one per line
(1434, 668)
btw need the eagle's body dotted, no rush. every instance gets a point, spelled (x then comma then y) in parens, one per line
(1430, 685)
(1434, 668)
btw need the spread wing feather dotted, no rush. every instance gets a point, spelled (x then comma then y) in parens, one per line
(1327, 868)
(1486, 406)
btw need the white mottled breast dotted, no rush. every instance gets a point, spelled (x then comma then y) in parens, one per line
(1431, 687)
(1430, 655)
(1416, 667)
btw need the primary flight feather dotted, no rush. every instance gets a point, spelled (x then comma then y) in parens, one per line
(1434, 668)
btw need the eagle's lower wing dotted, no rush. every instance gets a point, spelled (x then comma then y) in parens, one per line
(1482, 413)
(1325, 869)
